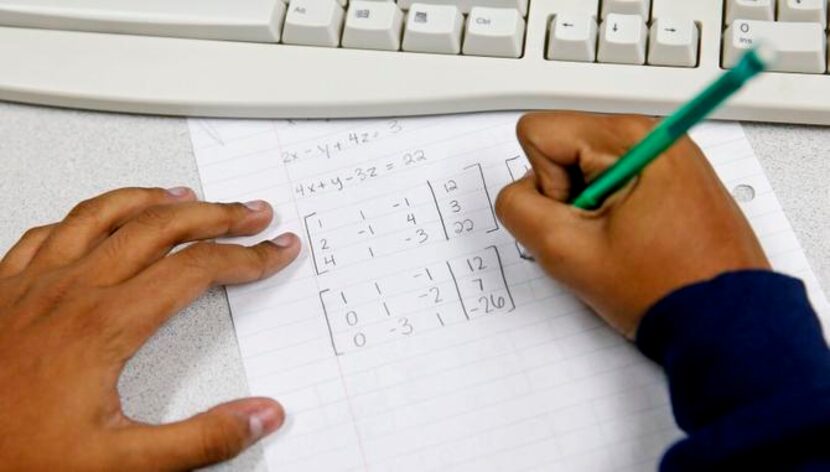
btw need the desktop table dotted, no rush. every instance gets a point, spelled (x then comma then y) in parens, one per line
(54, 158)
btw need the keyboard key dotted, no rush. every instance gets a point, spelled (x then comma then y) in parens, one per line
(313, 23)
(373, 25)
(573, 38)
(466, 6)
(248, 20)
(626, 7)
(677, 10)
(801, 47)
(623, 39)
(494, 32)
(806, 11)
(433, 28)
(576, 7)
(673, 43)
(749, 10)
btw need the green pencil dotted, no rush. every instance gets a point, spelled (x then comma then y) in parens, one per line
(672, 128)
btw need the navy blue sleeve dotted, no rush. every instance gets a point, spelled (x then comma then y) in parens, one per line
(748, 371)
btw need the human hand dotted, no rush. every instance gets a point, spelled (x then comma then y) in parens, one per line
(673, 226)
(78, 298)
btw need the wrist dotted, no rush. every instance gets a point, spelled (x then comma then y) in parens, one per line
(737, 337)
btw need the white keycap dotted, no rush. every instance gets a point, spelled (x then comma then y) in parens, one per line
(677, 10)
(573, 38)
(496, 32)
(622, 39)
(750, 10)
(626, 7)
(373, 25)
(248, 20)
(313, 23)
(806, 11)
(467, 5)
(673, 43)
(801, 47)
(433, 28)
(576, 7)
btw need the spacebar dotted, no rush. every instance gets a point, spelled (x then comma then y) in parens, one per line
(240, 20)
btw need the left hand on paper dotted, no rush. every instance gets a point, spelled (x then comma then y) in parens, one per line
(78, 298)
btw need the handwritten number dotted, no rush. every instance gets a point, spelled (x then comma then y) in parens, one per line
(407, 328)
(492, 303)
(414, 157)
(463, 226)
(476, 263)
(436, 294)
(359, 339)
(351, 318)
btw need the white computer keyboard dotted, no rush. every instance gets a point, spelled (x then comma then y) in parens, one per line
(339, 58)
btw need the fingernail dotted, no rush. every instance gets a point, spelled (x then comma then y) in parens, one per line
(285, 240)
(179, 192)
(257, 205)
(264, 421)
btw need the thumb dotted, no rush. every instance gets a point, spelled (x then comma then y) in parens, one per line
(216, 435)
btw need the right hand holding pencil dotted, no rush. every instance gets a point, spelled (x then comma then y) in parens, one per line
(673, 226)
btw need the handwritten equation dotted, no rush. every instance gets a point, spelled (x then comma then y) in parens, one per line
(343, 179)
(330, 146)
(417, 300)
(439, 210)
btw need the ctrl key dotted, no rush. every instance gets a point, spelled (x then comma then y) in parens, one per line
(494, 32)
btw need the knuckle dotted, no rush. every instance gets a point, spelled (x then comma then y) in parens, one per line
(263, 255)
(87, 209)
(156, 218)
(525, 124)
(529, 125)
(140, 196)
(36, 232)
(136, 192)
(638, 125)
(201, 256)
(116, 246)
(221, 440)
(506, 199)
(231, 214)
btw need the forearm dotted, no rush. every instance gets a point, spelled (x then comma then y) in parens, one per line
(748, 369)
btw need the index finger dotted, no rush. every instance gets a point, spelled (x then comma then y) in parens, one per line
(146, 301)
(568, 148)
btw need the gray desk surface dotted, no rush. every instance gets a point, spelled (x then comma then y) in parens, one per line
(53, 158)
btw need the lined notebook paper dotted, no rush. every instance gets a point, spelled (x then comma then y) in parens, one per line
(413, 333)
